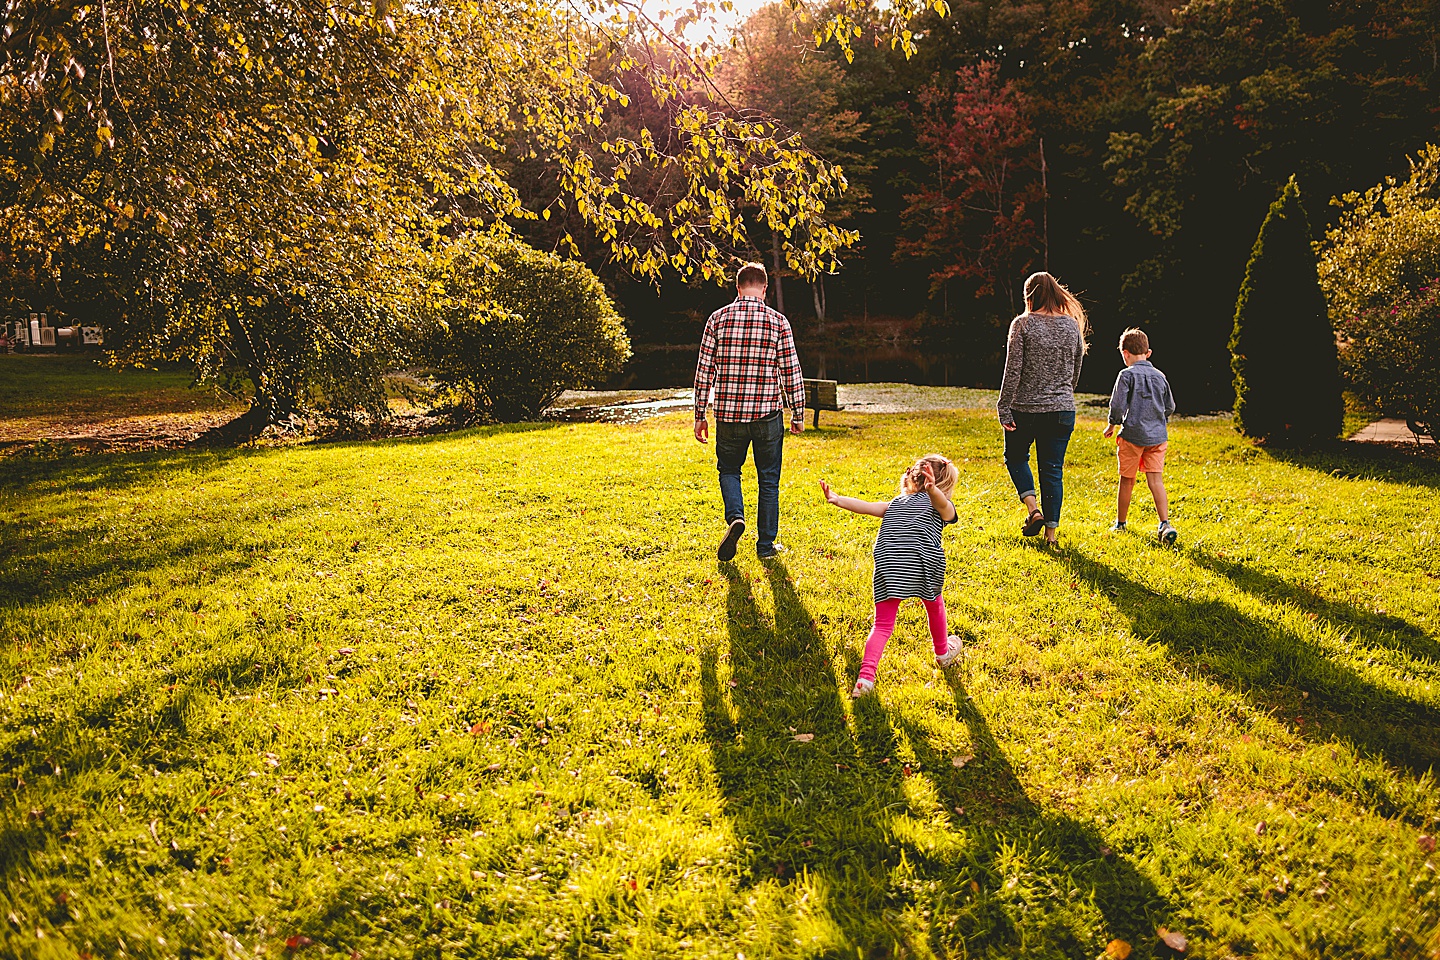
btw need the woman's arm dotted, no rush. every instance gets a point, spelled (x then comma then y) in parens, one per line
(1010, 379)
(853, 505)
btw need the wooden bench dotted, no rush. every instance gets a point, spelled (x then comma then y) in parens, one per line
(820, 395)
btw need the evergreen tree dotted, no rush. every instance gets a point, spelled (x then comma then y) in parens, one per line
(1282, 349)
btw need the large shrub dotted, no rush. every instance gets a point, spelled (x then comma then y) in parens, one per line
(1385, 242)
(1282, 348)
(1392, 357)
(523, 326)
(1378, 267)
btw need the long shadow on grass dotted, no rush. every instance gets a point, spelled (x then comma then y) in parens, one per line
(1064, 864)
(830, 812)
(1274, 668)
(1366, 626)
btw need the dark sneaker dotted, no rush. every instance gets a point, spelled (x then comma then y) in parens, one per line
(1168, 534)
(775, 550)
(726, 552)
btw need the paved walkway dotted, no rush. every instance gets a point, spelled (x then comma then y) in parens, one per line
(1389, 431)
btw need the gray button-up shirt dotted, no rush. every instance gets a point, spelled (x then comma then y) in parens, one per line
(1142, 402)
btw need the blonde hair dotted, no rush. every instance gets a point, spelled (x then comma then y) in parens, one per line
(946, 473)
(1045, 294)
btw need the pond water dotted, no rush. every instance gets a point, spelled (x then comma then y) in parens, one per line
(654, 367)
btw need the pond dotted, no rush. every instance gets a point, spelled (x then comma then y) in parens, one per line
(655, 367)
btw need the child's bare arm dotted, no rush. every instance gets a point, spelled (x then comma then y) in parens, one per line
(853, 505)
(938, 500)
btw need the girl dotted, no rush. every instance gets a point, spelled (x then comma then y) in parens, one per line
(909, 561)
(1037, 396)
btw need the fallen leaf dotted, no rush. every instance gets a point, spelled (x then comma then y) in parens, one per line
(1175, 941)
(804, 737)
(734, 683)
(297, 941)
(961, 761)
(478, 728)
(1260, 829)
(1427, 843)
(1116, 950)
(906, 770)
(960, 810)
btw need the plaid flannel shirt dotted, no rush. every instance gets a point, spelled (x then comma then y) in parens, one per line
(748, 355)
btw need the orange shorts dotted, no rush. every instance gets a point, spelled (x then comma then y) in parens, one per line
(1142, 459)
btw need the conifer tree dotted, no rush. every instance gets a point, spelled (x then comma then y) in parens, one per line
(1282, 349)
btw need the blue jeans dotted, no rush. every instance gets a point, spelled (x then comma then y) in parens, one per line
(731, 442)
(1050, 433)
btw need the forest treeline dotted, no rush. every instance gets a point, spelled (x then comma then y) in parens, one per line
(1132, 148)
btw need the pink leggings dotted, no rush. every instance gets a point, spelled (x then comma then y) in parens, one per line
(885, 612)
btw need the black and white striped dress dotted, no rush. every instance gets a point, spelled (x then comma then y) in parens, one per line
(909, 560)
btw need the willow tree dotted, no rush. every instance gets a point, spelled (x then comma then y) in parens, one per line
(268, 186)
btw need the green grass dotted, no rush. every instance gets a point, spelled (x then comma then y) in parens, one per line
(56, 384)
(489, 695)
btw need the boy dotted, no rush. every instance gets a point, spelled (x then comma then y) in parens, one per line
(1141, 405)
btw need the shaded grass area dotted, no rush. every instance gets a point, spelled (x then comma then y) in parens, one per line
(489, 694)
(77, 385)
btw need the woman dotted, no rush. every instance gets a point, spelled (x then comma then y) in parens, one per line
(1037, 396)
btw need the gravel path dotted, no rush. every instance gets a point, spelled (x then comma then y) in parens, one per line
(633, 405)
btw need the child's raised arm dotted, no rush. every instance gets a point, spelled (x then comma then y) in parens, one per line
(938, 500)
(851, 504)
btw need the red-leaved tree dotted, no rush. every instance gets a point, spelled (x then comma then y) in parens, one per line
(975, 220)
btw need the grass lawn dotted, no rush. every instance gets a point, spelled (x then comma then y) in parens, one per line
(490, 695)
(71, 396)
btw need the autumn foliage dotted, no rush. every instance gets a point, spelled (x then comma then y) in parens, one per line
(976, 215)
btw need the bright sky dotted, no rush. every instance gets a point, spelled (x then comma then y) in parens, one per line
(724, 21)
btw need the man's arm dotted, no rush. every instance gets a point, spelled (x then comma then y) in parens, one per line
(792, 381)
(1079, 362)
(704, 373)
(1169, 402)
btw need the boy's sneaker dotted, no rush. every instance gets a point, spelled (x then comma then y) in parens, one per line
(1168, 534)
(1118, 527)
(863, 688)
(954, 647)
(726, 553)
(775, 550)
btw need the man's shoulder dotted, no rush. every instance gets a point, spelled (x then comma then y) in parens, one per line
(750, 309)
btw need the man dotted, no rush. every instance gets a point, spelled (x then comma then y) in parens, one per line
(747, 355)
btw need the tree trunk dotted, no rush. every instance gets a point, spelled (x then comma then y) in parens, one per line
(276, 399)
(775, 257)
(817, 290)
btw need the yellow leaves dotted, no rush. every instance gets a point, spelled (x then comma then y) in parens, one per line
(1175, 941)
(1116, 950)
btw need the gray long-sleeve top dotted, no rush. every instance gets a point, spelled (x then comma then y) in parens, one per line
(1142, 402)
(1042, 365)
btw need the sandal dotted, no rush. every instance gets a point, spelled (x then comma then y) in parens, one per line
(1033, 523)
